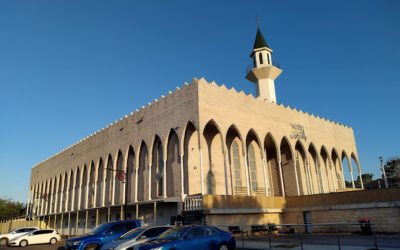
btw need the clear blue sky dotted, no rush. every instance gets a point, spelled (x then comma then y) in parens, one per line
(68, 68)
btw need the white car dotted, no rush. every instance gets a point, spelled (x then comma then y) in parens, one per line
(41, 236)
(5, 238)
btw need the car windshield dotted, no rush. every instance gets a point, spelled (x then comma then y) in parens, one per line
(131, 234)
(99, 229)
(172, 234)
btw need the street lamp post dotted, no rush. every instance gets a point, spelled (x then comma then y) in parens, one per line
(384, 172)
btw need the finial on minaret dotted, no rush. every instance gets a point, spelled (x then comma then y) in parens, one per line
(263, 73)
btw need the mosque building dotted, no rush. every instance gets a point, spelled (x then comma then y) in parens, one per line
(204, 151)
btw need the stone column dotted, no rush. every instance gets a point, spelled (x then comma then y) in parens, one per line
(182, 179)
(246, 168)
(297, 178)
(281, 177)
(164, 178)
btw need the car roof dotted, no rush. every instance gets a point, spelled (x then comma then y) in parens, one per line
(120, 222)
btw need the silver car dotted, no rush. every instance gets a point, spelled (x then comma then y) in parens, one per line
(135, 237)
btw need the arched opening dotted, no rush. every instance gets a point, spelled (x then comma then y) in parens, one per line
(53, 193)
(143, 190)
(63, 200)
(49, 196)
(356, 166)
(76, 190)
(290, 179)
(326, 170)
(173, 165)
(57, 207)
(315, 169)
(83, 188)
(91, 186)
(157, 167)
(238, 172)
(254, 164)
(260, 57)
(302, 170)
(347, 171)
(70, 191)
(119, 180)
(273, 166)
(214, 160)
(191, 161)
(109, 181)
(100, 184)
(131, 175)
(337, 170)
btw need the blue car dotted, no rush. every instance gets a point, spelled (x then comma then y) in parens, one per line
(101, 235)
(191, 237)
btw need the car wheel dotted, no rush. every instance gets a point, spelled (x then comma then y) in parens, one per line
(3, 241)
(53, 241)
(23, 243)
(92, 247)
(223, 247)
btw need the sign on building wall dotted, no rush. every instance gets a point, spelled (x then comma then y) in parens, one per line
(298, 132)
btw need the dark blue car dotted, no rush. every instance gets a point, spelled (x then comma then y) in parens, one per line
(102, 234)
(191, 237)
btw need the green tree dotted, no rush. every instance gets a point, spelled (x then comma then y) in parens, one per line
(10, 208)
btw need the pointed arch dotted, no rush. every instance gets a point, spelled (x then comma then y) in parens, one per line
(64, 199)
(49, 195)
(235, 146)
(70, 190)
(100, 184)
(356, 164)
(131, 168)
(191, 160)
(83, 188)
(214, 164)
(91, 187)
(173, 171)
(347, 170)
(109, 182)
(77, 189)
(302, 169)
(157, 165)
(290, 180)
(254, 163)
(315, 169)
(119, 182)
(337, 169)
(57, 207)
(274, 175)
(143, 189)
(326, 169)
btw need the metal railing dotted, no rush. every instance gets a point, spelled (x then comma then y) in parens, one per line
(312, 236)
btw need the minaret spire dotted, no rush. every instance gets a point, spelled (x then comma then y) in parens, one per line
(263, 73)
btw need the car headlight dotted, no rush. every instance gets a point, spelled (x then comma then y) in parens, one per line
(77, 243)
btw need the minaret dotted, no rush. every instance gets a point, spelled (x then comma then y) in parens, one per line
(263, 72)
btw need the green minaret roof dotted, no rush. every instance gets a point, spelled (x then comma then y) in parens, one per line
(260, 41)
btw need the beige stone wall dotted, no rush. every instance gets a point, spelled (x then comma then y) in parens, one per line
(186, 139)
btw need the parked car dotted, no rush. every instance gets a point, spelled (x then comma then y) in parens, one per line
(40, 236)
(101, 235)
(5, 238)
(135, 237)
(191, 237)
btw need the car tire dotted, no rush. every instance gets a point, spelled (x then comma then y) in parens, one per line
(223, 247)
(23, 243)
(3, 241)
(92, 247)
(53, 241)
